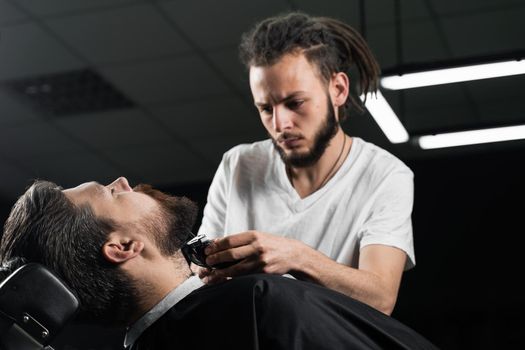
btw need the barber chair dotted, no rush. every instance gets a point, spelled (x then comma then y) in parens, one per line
(34, 306)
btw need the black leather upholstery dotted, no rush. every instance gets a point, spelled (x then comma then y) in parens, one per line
(34, 306)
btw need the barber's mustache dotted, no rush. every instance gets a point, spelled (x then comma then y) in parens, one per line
(287, 135)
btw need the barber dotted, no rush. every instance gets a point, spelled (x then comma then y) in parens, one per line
(311, 201)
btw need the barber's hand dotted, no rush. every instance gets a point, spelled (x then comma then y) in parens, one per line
(202, 272)
(256, 252)
(199, 270)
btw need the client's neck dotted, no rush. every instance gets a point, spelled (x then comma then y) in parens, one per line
(156, 281)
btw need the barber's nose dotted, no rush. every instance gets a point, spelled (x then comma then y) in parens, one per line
(281, 119)
(121, 185)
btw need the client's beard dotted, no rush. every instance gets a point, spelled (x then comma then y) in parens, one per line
(169, 230)
(171, 227)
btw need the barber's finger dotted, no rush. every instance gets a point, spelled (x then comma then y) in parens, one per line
(203, 272)
(196, 268)
(243, 267)
(231, 241)
(230, 255)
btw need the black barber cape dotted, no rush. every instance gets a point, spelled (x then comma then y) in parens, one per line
(275, 313)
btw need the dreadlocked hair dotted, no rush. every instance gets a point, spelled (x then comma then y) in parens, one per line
(331, 45)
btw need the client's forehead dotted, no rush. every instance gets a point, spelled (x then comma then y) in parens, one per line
(123, 205)
(85, 192)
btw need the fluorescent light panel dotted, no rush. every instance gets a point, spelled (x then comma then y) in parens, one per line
(472, 137)
(453, 75)
(385, 117)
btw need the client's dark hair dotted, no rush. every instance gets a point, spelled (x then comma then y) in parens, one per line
(10, 266)
(331, 45)
(45, 227)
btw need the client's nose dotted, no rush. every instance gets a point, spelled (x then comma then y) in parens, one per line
(121, 184)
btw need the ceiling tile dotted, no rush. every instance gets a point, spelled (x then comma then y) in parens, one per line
(441, 119)
(382, 42)
(419, 100)
(346, 11)
(28, 51)
(500, 100)
(227, 60)
(71, 169)
(225, 117)
(210, 25)
(447, 7)
(114, 129)
(13, 180)
(502, 112)
(481, 38)
(13, 111)
(422, 43)
(437, 108)
(381, 31)
(126, 33)
(170, 80)
(52, 7)
(412, 10)
(9, 14)
(33, 139)
(503, 88)
(379, 12)
(215, 147)
(166, 164)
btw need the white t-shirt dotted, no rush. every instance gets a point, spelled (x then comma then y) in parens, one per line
(368, 201)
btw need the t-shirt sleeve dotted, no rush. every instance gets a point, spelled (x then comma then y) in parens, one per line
(390, 222)
(214, 215)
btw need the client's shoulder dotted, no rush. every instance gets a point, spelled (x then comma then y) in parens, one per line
(274, 287)
(259, 284)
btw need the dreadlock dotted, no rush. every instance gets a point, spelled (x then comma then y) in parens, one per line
(331, 45)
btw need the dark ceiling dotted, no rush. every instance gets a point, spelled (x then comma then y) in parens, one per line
(188, 101)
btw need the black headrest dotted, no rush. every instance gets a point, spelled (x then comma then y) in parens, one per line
(34, 306)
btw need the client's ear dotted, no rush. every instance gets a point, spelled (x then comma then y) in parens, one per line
(118, 250)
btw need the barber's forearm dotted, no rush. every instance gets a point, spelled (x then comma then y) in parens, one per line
(365, 286)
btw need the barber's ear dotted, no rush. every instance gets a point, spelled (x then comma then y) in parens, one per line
(118, 250)
(339, 88)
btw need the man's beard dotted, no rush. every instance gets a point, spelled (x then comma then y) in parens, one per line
(322, 138)
(171, 227)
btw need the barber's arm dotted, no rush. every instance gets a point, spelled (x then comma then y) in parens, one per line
(385, 240)
(375, 282)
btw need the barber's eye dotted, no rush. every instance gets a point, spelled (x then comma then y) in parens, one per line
(266, 109)
(295, 104)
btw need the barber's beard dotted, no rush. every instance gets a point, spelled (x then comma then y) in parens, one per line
(322, 139)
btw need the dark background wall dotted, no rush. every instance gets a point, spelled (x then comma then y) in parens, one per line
(466, 290)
